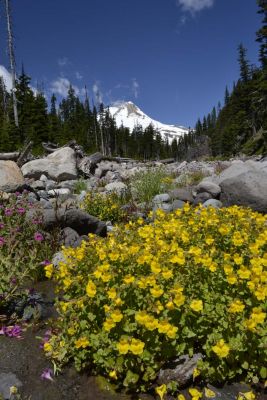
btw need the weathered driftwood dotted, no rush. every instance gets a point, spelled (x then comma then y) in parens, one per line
(52, 147)
(87, 165)
(9, 156)
(167, 161)
(24, 154)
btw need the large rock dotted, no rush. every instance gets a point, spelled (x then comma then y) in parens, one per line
(76, 219)
(182, 194)
(10, 176)
(59, 166)
(246, 185)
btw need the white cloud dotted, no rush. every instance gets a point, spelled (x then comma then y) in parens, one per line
(78, 75)
(6, 77)
(61, 86)
(195, 5)
(63, 61)
(135, 88)
(97, 92)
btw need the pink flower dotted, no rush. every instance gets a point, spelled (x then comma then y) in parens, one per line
(46, 374)
(2, 241)
(38, 237)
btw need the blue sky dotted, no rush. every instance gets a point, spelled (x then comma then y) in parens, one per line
(173, 58)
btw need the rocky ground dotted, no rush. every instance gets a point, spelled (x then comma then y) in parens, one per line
(52, 184)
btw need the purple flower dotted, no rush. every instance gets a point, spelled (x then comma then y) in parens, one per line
(2, 241)
(8, 212)
(2, 225)
(13, 280)
(38, 237)
(47, 374)
(21, 210)
(11, 331)
(45, 262)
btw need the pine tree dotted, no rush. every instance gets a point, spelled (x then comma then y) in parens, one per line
(243, 63)
(262, 33)
(226, 96)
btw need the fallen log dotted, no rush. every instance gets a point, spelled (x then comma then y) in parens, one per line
(24, 154)
(9, 156)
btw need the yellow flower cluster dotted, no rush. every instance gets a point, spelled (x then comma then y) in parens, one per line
(194, 279)
(135, 346)
(151, 323)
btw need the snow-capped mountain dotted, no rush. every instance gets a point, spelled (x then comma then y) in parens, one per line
(129, 115)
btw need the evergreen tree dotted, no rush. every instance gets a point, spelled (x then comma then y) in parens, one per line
(243, 63)
(262, 33)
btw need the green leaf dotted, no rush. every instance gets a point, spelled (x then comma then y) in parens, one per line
(263, 372)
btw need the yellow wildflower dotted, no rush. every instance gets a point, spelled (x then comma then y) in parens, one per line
(236, 307)
(137, 346)
(123, 346)
(49, 270)
(197, 305)
(83, 342)
(221, 349)
(161, 391)
(91, 289)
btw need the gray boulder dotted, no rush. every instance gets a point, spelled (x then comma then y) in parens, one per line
(161, 198)
(59, 166)
(70, 238)
(209, 187)
(181, 194)
(76, 219)
(245, 185)
(10, 176)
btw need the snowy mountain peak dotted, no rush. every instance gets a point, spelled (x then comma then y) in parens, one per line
(129, 115)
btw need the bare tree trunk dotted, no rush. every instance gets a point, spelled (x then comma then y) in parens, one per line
(12, 62)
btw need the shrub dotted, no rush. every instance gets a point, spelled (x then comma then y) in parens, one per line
(190, 282)
(80, 186)
(149, 183)
(22, 248)
(107, 207)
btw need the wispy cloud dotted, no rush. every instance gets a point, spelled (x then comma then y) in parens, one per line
(61, 86)
(97, 92)
(195, 5)
(135, 88)
(63, 61)
(78, 76)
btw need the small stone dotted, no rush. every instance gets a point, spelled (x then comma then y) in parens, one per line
(209, 187)
(201, 198)
(6, 381)
(59, 193)
(213, 203)
(118, 187)
(161, 198)
(177, 204)
(180, 370)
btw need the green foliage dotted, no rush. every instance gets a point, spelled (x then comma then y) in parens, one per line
(147, 184)
(190, 282)
(106, 207)
(80, 186)
(22, 248)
